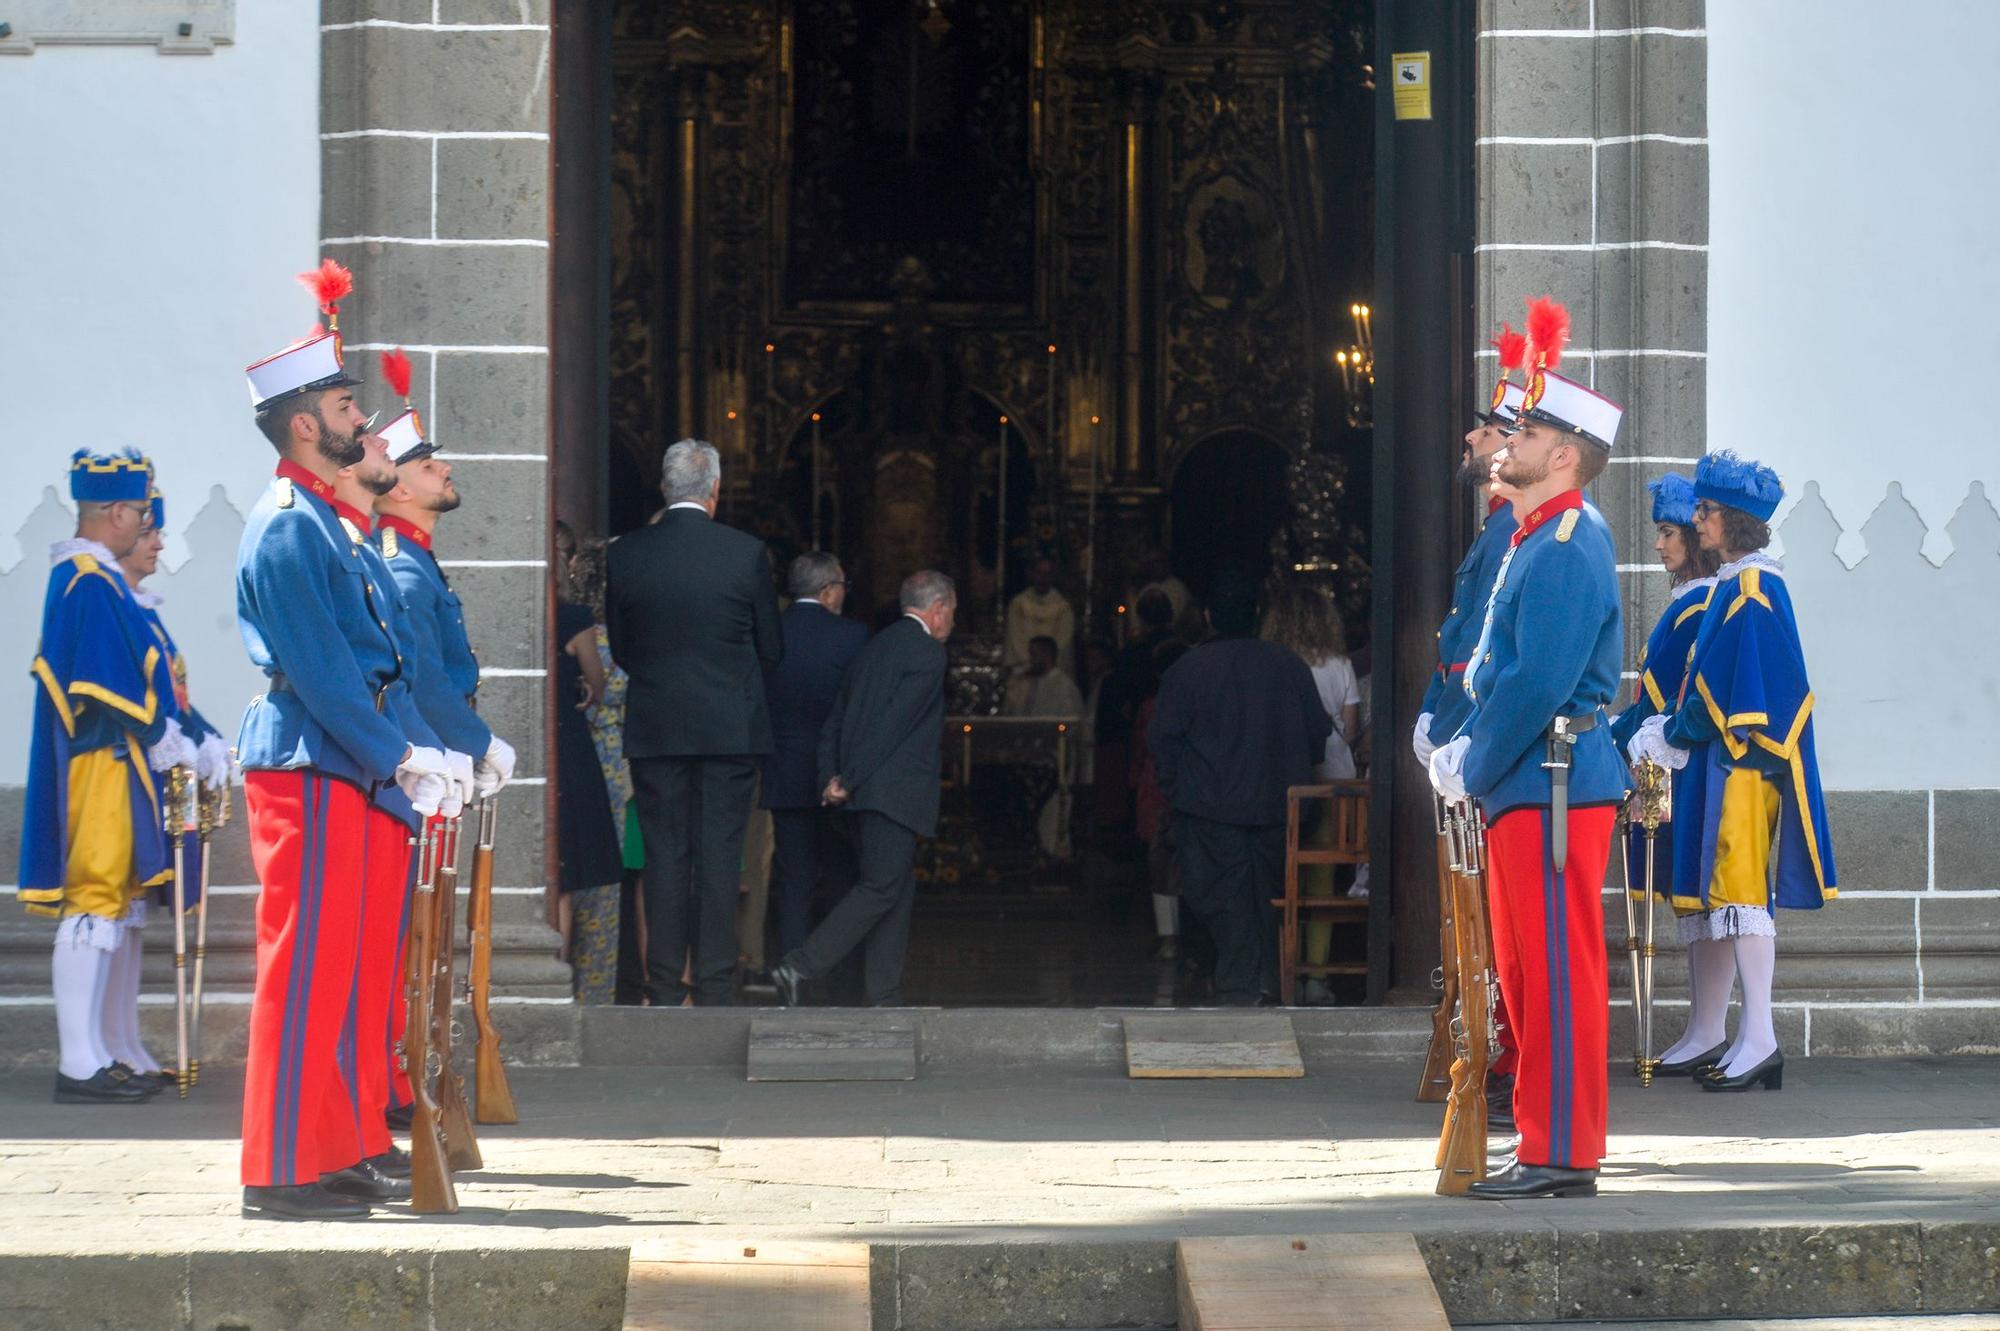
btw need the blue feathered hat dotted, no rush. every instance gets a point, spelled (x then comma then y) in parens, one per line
(109, 478)
(1673, 499)
(1725, 478)
(159, 509)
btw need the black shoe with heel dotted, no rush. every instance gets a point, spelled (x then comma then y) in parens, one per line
(1770, 1074)
(304, 1201)
(1522, 1182)
(1693, 1066)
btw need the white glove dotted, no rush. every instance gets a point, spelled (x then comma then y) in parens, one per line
(1420, 741)
(1446, 766)
(495, 770)
(174, 749)
(460, 765)
(1650, 744)
(211, 763)
(425, 777)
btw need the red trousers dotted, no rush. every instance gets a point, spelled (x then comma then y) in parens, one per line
(399, 999)
(1548, 947)
(308, 841)
(368, 1048)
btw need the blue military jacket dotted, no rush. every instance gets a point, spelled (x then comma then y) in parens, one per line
(1550, 646)
(1445, 698)
(444, 674)
(1663, 663)
(315, 604)
(104, 685)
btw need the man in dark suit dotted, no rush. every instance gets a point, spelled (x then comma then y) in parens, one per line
(693, 619)
(819, 647)
(880, 755)
(1237, 721)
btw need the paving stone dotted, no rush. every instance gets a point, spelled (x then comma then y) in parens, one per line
(1537, 193)
(448, 295)
(1538, 88)
(1651, 190)
(1076, 1284)
(410, 79)
(1719, 1272)
(832, 1047)
(377, 186)
(40, 1293)
(581, 1289)
(1882, 839)
(1966, 820)
(493, 188)
(1505, 1276)
(265, 1290)
(1961, 1265)
(491, 402)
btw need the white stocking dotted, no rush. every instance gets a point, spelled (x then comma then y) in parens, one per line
(1711, 974)
(78, 969)
(121, 1008)
(1166, 916)
(1756, 1039)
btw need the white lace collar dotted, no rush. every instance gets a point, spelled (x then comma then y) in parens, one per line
(147, 598)
(73, 546)
(1690, 587)
(1755, 559)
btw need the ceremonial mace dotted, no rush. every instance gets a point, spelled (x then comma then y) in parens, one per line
(1656, 802)
(1632, 941)
(214, 805)
(181, 802)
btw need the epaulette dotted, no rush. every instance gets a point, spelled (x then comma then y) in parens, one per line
(287, 494)
(391, 546)
(1567, 527)
(353, 532)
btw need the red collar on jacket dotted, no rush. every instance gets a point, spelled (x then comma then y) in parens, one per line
(405, 528)
(1494, 503)
(1547, 509)
(298, 475)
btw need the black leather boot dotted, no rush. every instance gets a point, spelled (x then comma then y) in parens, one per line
(304, 1201)
(1527, 1181)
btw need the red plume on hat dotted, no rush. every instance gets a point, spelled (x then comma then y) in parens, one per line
(1513, 348)
(330, 284)
(396, 369)
(1548, 333)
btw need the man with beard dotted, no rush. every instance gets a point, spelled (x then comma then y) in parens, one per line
(338, 770)
(444, 673)
(1445, 705)
(1536, 752)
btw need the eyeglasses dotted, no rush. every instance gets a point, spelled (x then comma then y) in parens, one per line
(1704, 507)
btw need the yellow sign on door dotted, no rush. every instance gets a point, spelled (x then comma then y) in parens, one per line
(1410, 77)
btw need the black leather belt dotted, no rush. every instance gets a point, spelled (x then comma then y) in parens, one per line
(279, 684)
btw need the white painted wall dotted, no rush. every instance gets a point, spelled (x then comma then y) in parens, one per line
(152, 213)
(1854, 334)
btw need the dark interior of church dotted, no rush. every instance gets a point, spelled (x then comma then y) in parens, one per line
(968, 284)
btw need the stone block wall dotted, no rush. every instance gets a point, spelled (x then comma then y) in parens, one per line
(1593, 185)
(434, 129)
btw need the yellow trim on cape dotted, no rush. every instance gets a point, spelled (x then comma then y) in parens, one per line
(44, 672)
(142, 713)
(1737, 748)
(1684, 615)
(1652, 687)
(1749, 588)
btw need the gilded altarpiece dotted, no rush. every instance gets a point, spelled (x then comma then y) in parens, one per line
(850, 237)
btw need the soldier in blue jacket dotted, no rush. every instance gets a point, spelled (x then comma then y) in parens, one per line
(337, 769)
(444, 673)
(92, 840)
(1752, 833)
(1536, 753)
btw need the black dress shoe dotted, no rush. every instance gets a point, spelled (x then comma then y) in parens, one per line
(305, 1201)
(1526, 1181)
(154, 1082)
(1770, 1074)
(787, 982)
(392, 1163)
(364, 1182)
(399, 1118)
(106, 1086)
(1694, 1065)
(1499, 1119)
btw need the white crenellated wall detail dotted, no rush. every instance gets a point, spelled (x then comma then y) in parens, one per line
(1903, 653)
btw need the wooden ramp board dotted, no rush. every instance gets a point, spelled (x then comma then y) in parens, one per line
(1211, 1044)
(722, 1285)
(1313, 1282)
(833, 1047)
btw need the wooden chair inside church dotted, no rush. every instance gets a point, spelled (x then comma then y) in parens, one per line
(1345, 811)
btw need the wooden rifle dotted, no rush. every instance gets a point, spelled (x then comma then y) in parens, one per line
(431, 1188)
(493, 1099)
(1435, 1084)
(1462, 1146)
(461, 1145)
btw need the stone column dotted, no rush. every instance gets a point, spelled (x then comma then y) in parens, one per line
(434, 156)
